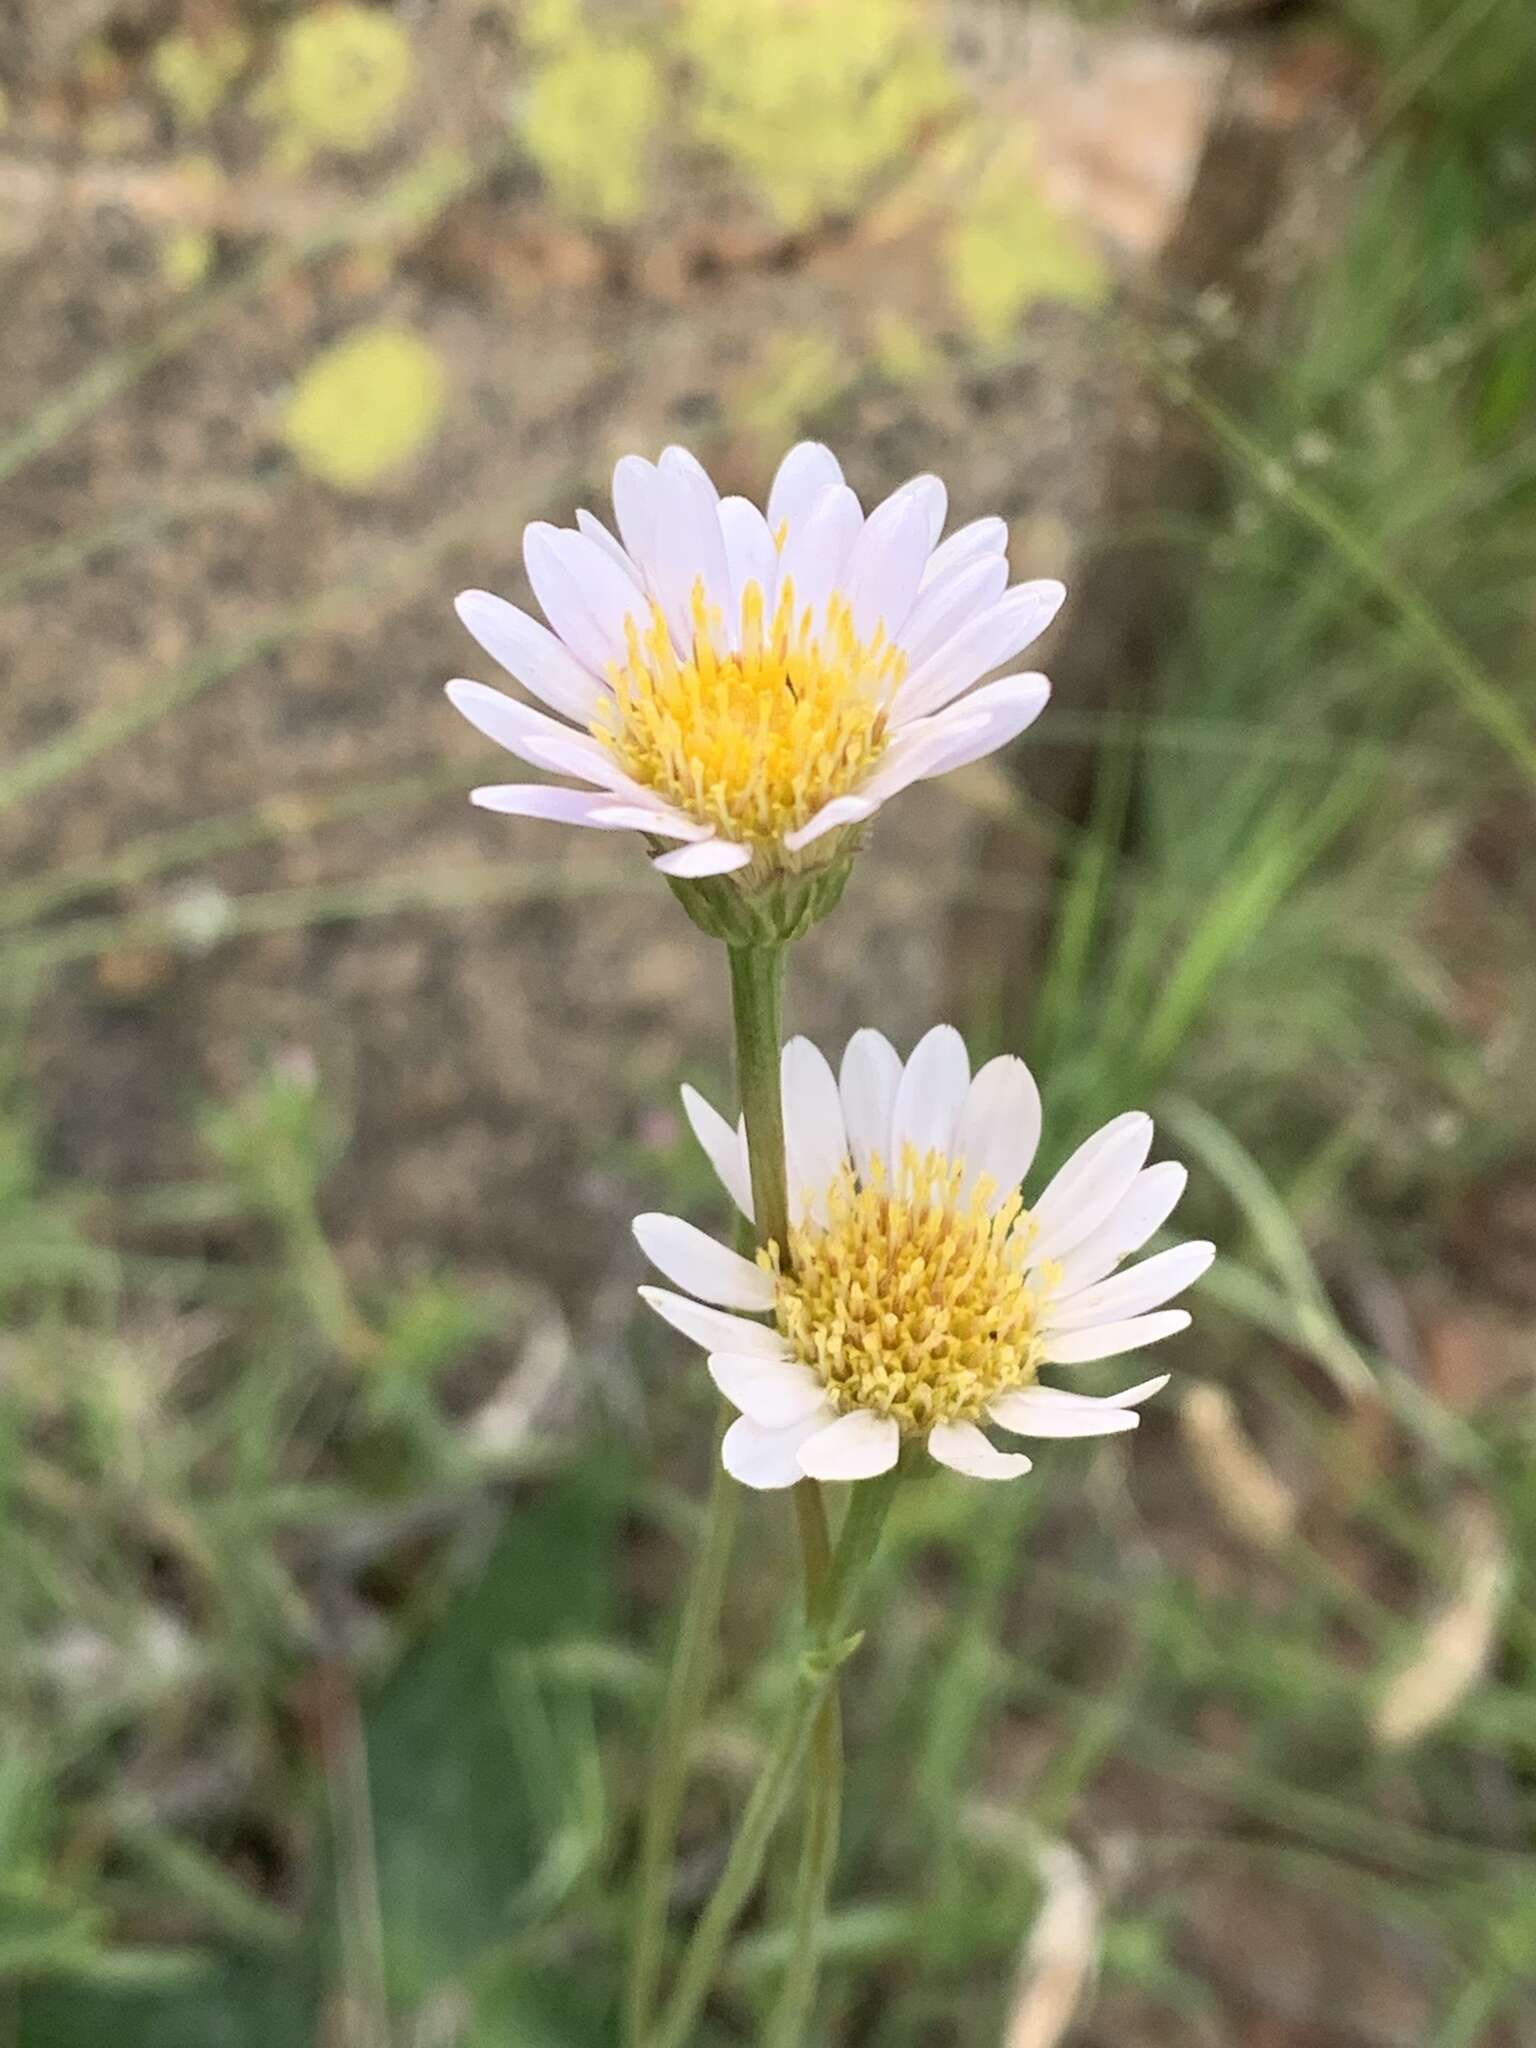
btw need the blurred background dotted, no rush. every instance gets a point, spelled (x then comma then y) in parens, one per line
(345, 1505)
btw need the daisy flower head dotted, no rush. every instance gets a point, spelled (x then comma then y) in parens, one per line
(745, 688)
(919, 1297)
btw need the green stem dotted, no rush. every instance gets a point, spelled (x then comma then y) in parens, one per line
(757, 1002)
(682, 1703)
(823, 1797)
(757, 981)
(828, 1645)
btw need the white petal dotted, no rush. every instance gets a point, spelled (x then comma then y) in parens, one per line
(648, 818)
(885, 566)
(967, 544)
(575, 753)
(1064, 1397)
(634, 508)
(542, 664)
(749, 551)
(1133, 1397)
(544, 800)
(963, 1448)
(1108, 1340)
(772, 1392)
(948, 602)
(987, 719)
(704, 857)
(815, 1143)
(806, 471)
(857, 1446)
(1090, 1185)
(870, 1076)
(918, 750)
(839, 811)
(518, 727)
(817, 549)
(584, 595)
(713, 1328)
(595, 531)
(767, 1459)
(692, 1260)
(929, 493)
(1045, 1412)
(1132, 1292)
(999, 1126)
(689, 551)
(1145, 1206)
(985, 643)
(722, 1146)
(931, 1094)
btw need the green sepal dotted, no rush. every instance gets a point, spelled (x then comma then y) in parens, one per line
(764, 912)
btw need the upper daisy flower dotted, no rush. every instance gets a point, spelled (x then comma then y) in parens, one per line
(918, 1296)
(746, 685)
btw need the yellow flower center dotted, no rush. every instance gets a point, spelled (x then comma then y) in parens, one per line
(907, 1301)
(753, 742)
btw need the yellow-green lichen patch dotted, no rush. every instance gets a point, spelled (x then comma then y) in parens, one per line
(798, 376)
(1010, 248)
(365, 407)
(193, 73)
(810, 100)
(340, 79)
(592, 108)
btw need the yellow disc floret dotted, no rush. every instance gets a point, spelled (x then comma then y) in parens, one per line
(908, 1301)
(752, 742)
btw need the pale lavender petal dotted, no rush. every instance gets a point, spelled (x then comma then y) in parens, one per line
(967, 544)
(946, 603)
(817, 548)
(542, 663)
(806, 472)
(885, 565)
(749, 550)
(838, 811)
(544, 800)
(985, 643)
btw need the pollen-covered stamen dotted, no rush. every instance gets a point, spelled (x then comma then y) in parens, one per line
(910, 1301)
(752, 742)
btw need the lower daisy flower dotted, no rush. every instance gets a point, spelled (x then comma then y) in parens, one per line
(918, 1296)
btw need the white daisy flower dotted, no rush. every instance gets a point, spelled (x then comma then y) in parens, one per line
(744, 687)
(918, 1296)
